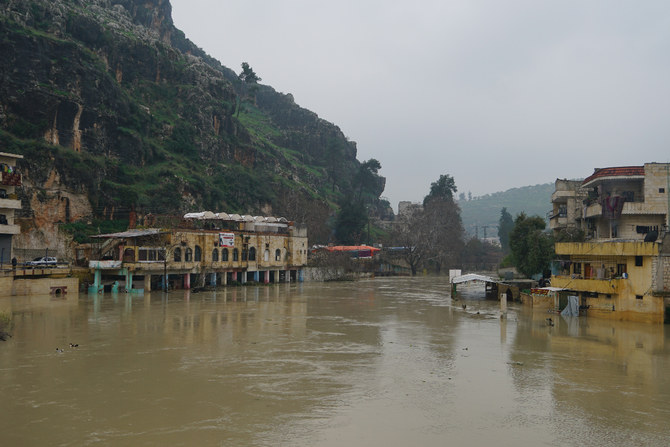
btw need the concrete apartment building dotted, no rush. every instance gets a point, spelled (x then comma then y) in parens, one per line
(9, 180)
(621, 269)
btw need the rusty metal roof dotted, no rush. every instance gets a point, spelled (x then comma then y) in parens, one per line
(620, 171)
(132, 233)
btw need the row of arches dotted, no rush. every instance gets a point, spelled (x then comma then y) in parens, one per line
(223, 255)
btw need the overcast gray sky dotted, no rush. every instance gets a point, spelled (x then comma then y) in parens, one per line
(498, 94)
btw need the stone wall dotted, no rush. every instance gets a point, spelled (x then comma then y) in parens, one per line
(10, 286)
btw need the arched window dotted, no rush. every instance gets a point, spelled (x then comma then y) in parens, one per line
(236, 255)
(266, 255)
(244, 254)
(277, 255)
(224, 254)
(188, 256)
(198, 254)
(215, 255)
(177, 254)
(252, 254)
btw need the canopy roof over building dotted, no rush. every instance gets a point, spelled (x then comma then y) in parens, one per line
(132, 233)
(472, 277)
(618, 173)
(208, 215)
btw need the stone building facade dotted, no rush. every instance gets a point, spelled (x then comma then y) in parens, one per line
(204, 250)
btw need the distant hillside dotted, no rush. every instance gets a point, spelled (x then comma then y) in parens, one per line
(480, 215)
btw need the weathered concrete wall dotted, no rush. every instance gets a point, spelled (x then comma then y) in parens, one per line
(38, 286)
(6, 286)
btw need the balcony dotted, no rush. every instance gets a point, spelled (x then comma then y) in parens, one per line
(604, 286)
(611, 249)
(558, 221)
(102, 265)
(629, 208)
(10, 179)
(10, 204)
(10, 229)
(562, 196)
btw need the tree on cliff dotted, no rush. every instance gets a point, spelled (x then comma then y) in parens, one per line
(532, 248)
(249, 80)
(350, 221)
(367, 178)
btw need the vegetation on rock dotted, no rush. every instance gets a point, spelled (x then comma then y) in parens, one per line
(112, 100)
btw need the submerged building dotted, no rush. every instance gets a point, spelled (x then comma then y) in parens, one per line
(614, 248)
(201, 249)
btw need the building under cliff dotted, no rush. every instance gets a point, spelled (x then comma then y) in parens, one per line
(201, 249)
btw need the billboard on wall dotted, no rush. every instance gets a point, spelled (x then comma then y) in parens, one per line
(226, 239)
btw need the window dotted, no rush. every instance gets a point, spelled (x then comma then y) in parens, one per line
(244, 254)
(198, 254)
(224, 255)
(177, 254)
(236, 255)
(577, 268)
(252, 254)
(638, 261)
(277, 255)
(620, 269)
(661, 190)
(638, 297)
(188, 256)
(266, 255)
(129, 255)
(215, 255)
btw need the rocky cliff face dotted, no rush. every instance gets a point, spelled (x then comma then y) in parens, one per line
(115, 110)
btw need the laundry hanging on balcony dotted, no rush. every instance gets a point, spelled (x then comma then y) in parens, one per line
(612, 206)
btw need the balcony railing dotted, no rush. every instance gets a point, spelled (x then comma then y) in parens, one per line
(604, 286)
(13, 204)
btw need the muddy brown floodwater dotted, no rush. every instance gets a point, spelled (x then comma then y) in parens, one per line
(384, 362)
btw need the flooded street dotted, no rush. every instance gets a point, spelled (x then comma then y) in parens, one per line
(384, 362)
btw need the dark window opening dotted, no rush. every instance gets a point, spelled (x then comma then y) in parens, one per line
(620, 269)
(638, 261)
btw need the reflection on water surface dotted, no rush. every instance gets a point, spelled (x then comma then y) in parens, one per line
(385, 362)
